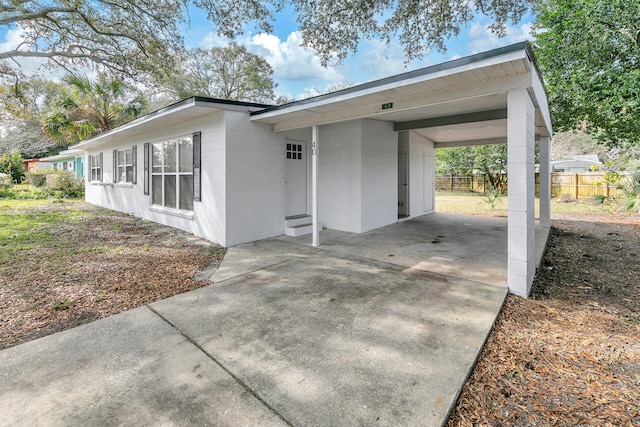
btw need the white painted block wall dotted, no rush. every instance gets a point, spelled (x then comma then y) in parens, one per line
(208, 217)
(242, 185)
(379, 163)
(339, 176)
(357, 175)
(521, 182)
(254, 180)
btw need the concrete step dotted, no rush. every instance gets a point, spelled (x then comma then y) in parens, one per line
(294, 221)
(299, 230)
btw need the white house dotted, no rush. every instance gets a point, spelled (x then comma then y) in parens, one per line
(352, 160)
(583, 163)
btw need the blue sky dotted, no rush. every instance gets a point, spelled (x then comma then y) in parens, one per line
(298, 72)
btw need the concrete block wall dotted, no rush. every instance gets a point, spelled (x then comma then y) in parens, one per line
(521, 182)
(208, 217)
(340, 177)
(379, 163)
(255, 189)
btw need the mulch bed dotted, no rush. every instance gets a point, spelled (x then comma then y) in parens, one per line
(569, 355)
(108, 263)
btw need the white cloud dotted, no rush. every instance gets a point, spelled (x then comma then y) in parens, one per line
(482, 39)
(380, 60)
(289, 60)
(13, 40)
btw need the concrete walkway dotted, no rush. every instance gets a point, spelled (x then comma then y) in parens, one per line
(287, 335)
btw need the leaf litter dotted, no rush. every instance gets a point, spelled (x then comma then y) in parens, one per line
(92, 265)
(569, 355)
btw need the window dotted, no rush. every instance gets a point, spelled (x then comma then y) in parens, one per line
(294, 151)
(95, 163)
(124, 169)
(172, 173)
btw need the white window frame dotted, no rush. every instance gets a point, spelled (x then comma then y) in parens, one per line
(177, 173)
(122, 167)
(95, 166)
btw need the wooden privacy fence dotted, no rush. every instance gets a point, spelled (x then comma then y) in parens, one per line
(578, 185)
(581, 185)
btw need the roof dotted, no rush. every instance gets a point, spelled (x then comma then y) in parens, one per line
(459, 102)
(63, 155)
(178, 112)
(467, 90)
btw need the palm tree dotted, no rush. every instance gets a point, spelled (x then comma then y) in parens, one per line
(88, 108)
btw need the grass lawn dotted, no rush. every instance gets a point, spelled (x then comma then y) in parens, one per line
(64, 263)
(476, 204)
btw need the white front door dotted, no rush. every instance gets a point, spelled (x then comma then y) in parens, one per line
(295, 177)
(403, 186)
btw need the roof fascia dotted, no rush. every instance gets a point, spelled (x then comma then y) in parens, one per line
(504, 54)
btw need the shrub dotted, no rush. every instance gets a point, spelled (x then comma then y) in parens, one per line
(66, 185)
(38, 178)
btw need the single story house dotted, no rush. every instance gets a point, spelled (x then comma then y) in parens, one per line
(352, 160)
(583, 163)
(71, 160)
(34, 165)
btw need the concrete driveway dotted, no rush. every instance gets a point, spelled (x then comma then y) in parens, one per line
(287, 335)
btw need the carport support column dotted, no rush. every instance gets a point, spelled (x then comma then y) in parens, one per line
(314, 186)
(521, 187)
(545, 182)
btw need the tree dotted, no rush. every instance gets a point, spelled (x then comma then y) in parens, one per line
(121, 35)
(22, 106)
(589, 55)
(11, 164)
(88, 108)
(488, 160)
(127, 36)
(229, 72)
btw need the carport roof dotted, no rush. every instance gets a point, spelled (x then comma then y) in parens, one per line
(469, 94)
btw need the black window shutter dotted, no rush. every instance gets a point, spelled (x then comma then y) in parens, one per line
(101, 166)
(146, 168)
(134, 159)
(197, 196)
(115, 166)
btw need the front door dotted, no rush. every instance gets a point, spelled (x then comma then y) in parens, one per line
(295, 180)
(403, 186)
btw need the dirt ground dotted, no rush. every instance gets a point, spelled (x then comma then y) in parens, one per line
(569, 355)
(91, 264)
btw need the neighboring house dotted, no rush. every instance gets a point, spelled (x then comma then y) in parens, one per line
(353, 160)
(576, 164)
(34, 165)
(68, 160)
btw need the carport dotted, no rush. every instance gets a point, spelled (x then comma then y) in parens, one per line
(496, 97)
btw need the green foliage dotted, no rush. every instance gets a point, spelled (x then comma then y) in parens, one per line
(588, 52)
(61, 304)
(38, 178)
(488, 160)
(492, 195)
(87, 108)
(11, 164)
(629, 185)
(66, 186)
(230, 72)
